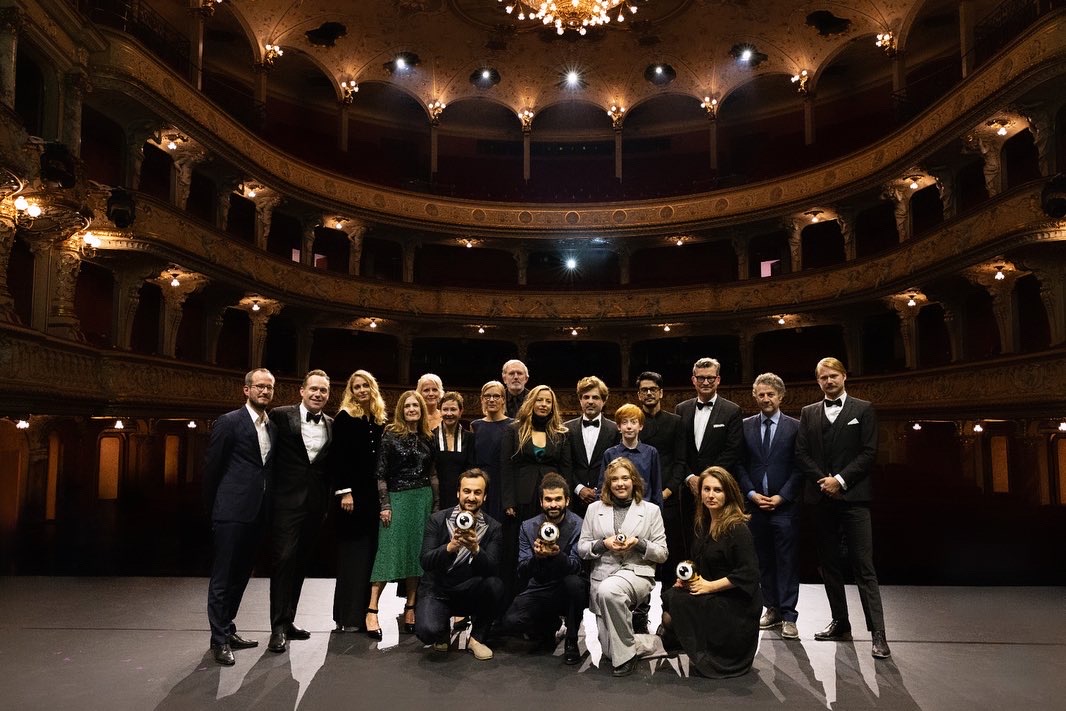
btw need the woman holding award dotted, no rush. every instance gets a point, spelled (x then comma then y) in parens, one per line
(715, 614)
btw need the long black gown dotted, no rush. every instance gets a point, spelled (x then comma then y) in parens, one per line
(720, 631)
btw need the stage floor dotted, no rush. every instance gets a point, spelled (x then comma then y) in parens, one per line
(142, 643)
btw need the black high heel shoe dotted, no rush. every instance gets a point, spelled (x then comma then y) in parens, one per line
(373, 634)
(408, 627)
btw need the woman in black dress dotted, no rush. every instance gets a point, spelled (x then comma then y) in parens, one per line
(353, 456)
(488, 438)
(715, 615)
(453, 448)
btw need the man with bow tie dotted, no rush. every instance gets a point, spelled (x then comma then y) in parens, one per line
(301, 495)
(590, 435)
(710, 436)
(835, 449)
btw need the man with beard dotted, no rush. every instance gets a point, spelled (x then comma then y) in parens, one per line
(461, 570)
(590, 436)
(515, 375)
(557, 585)
(236, 474)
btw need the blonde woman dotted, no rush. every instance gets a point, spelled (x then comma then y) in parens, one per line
(352, 464)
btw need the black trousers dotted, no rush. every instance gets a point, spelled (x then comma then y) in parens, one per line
(844, 525)
(294, 535)
(477, 597)
(235, 545)
(355, 560)
(536, 612)
(678, 512)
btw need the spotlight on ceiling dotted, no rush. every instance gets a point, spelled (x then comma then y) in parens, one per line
(747, 54)
(485, 78)
(572, 79)
(660, 74)
(402, 62)
(571, 263)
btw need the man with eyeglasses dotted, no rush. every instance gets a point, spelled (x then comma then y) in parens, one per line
(662, 430)
(711, 436)
(236, 472)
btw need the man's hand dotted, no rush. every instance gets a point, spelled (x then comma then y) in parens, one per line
(693, 482)
(347, 503)
(829, 486)
(588, 494)
(545, 550)
(667, 494)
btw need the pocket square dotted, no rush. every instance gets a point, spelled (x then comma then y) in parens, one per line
(719, 425)
(854, 421)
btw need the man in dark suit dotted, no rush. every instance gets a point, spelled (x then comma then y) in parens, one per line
(461, 571)
(710, 435)
(590, 435)
(236, 477)
(301, 495)
(772, 482)
(835, 450)
(515, 375)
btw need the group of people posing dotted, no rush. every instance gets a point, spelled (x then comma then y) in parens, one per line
(520, 521)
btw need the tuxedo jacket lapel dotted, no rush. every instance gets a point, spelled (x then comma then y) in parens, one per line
(294, 425)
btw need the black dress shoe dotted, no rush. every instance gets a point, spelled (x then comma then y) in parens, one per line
(625, 668)
(223, 654)
(571, 653)
(278, 642)
(640, 624)
(295, 632)
(880, 650)
(835, 631)
(237, 642)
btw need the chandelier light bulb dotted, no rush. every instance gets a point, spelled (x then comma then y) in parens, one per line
(21, 203)
(1002, 131)
(911, 302)
(780, 321)
(916, 426)
(978, 428)
(481, 329)
(1062, 426)
(251, 193)
(666, 328)
(373, 323)
(255, 306)
(175, 282)
(914, 185)
(191, 425)
(171, 146)
(22, 425)
(573, 331)
(119, 425)
(33, 210)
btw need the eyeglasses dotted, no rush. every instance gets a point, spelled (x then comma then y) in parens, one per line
(262, 388)
(705, 378)
(646, 391)
(492, 397)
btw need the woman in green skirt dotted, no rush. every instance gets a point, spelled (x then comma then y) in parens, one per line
(407, 493)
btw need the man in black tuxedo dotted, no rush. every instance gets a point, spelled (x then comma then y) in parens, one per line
(236, 477)
(710, 435)
(771, 481)
(301, 495)
(590, 435)
(835, 450)
(462, 575)
(515, 375)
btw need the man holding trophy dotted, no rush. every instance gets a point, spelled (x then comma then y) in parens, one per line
(460, 557)
(551, 571)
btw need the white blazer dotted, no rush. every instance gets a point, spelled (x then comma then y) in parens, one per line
(643, 520)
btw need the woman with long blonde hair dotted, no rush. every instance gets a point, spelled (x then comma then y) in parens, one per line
(352, 464)
(715, 615)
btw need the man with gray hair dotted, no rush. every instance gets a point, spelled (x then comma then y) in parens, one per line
(772, 482)
(515, 376)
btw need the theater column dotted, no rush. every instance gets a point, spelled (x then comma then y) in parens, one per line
(137, 133)
(1052, 278)
(521, 258)
(184, 159)
(75, 87)
(1042, 128)
(954, 320)
(527, 135)
(901, 202)
(173, 308)
(945, 185)
(125, 298)
(908, 324)
(795, 244)
(264, 214)
(740, 248)
(846, 221)
(305, 338)
(1004, 305)
(56, 263)
(967, 20)
(11, 21)
(307, 240)
(257, 325)
(355, 230)
(409, 247)
(853, 345)
(7, 241)
(989, 150)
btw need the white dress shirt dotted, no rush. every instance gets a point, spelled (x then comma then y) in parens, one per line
(314, 433)
(259, 421)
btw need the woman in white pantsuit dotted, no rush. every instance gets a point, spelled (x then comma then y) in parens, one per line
(623, 536)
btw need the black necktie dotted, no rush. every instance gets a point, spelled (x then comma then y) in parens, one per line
(833, 403)
(767, 422)
(590, 423)
(700, 404)
(311, 417)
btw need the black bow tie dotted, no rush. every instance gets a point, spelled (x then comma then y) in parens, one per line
(700, 404)
(833, 403)
(311, 417)
(590, 423)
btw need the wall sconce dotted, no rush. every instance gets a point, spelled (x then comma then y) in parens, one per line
(89, 244)
(801, 80)
(481, 329)
(22, 425)
(119, 425)
(26, 211)
(1062, 426)
(272, 54)
(191, 425)
(526, 117)
(814, 214)
(978, 429)
(886, 41)
(911, 301)
(348, 91)
(1000, 124)
(917, 426)
(616, 114)
(1000, 276)
(174, 280)
(373, 323)
(255, 305)
(710, 105)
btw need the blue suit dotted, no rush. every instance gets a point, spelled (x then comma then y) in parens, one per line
(236, 483)
(776, 533)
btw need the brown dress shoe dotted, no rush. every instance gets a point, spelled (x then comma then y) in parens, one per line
(835, 631)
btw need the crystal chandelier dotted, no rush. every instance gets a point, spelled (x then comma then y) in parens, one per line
(576, 15)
